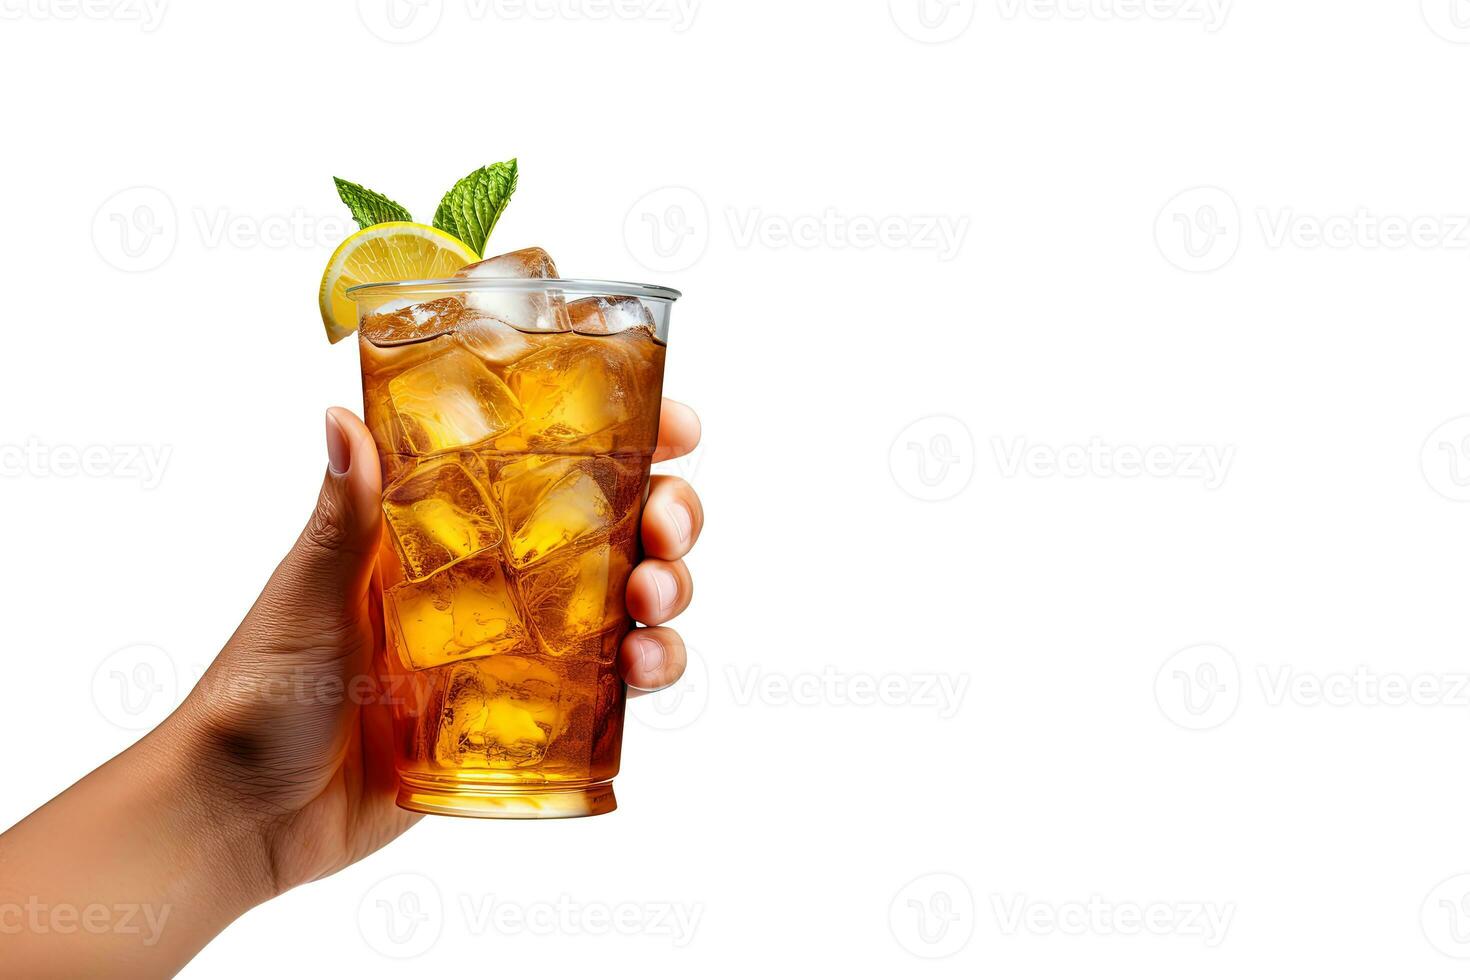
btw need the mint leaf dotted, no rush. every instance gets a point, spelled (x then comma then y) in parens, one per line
(471, 208)
(369, 207)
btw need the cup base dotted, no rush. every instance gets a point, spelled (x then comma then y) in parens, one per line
(507, 802)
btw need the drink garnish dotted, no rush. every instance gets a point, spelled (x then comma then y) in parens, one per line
(390, 245)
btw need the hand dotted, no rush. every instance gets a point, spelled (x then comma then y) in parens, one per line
(317, 772)
(277, 769)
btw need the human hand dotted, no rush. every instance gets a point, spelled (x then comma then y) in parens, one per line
(289, 716)
(277, 769)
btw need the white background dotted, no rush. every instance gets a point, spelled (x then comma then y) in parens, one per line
(1178, 234)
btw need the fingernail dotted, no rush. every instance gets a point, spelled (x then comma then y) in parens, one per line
(683, 521)
(650, 655)
(665, 587)
(339, 453)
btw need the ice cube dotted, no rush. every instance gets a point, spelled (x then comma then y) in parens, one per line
(494, 342)
(599, 316)
(451, 401)
(377, 405)
(643, 355)
(463, 612)
(576, 389)
(380, 365)
(395, 323)
(570, 599)
(553, 502)
(438, 514)
(525, 263)
(501, 713)
(532, 311)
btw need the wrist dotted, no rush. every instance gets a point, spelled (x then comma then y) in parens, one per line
(143, 837)
(219, 845)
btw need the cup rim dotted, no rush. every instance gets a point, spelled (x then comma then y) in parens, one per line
(580, 287)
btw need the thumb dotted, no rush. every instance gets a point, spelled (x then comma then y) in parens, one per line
(325, 578)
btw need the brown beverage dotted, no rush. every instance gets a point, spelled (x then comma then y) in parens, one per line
(515, 422)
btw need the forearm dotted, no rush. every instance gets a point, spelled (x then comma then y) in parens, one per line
(130, 872)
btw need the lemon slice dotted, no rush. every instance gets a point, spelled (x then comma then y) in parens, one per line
(387, 252)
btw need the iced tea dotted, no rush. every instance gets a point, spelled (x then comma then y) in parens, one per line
(515, 420)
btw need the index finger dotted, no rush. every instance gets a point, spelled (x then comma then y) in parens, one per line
(678, 431)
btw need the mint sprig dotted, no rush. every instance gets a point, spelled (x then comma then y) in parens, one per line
(472, 207)
(369, 207)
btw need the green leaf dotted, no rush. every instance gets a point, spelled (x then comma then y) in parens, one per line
(369, 207)
(471, 208)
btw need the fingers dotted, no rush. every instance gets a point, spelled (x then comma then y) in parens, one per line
(337, 548)
(678, 431)
(658, 591)
(323, 582)
(660, 587)
(651, 658)
(672, 518)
